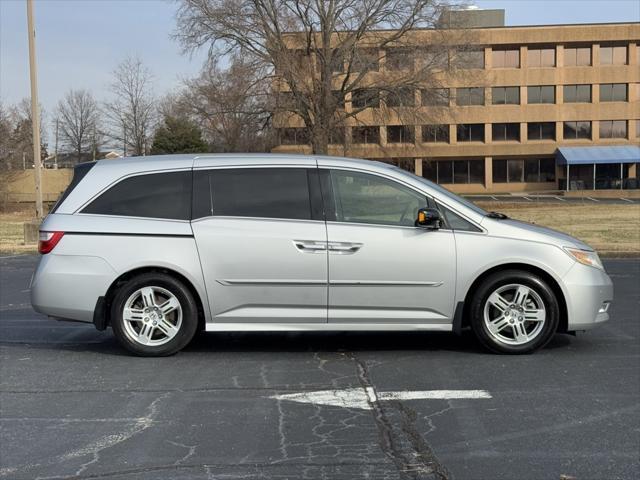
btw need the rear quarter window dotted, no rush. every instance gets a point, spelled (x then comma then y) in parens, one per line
(155, 195)
(79, 172)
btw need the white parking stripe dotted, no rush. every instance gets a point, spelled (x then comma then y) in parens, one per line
(560, 198)
(593, 199)
(364, 398)
(627, 200)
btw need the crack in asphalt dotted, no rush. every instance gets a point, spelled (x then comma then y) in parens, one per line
(416, 460)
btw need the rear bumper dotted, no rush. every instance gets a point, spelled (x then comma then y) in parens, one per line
(588, 290)
(68, 286)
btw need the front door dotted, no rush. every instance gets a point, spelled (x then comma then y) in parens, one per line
(261, 238)
(383, 269)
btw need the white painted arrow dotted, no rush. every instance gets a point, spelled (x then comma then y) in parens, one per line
(363, 398)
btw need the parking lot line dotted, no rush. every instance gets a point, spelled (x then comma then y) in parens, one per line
(362, 399)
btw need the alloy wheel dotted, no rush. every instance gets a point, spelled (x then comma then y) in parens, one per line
(514, 314)
(152, 316)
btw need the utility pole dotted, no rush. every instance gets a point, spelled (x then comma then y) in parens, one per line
(35, 114)
(56, 152)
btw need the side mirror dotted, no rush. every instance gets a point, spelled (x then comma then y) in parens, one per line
(429, 218)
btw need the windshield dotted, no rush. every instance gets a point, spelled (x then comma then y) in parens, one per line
(446, 193)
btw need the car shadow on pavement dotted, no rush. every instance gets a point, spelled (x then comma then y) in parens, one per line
(83, 338)
(344, 341)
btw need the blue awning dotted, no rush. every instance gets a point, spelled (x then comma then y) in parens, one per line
(599, 155)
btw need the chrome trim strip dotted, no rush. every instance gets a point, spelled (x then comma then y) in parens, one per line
(267, 281)
(326, 327)
(384, 283)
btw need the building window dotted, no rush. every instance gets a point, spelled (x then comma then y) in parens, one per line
(398, 59)
(454, 171)
(505, 95)
(435, 97)
(469, 59)
(365, 60)
(337, 62)
(294, 136)
(435, 133)
(541, 94)
(400, 134)
(541, 57)
(365, 98)
(577, 93)
(577, 56)
(470, 96)
(541, 131)
(577, 130)
(613, 129)
(501, 132)
(401, 97)
(470, 132)
(613, 92)
(336, 136)
(530, 170)
(505, 58)
(338, 97)
(613, 55)
(370, 135)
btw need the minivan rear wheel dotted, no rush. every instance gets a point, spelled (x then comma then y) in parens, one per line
(514, 312)
(153, 314)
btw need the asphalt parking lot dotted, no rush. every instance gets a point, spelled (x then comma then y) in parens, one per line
(231, 406)
(586, 199)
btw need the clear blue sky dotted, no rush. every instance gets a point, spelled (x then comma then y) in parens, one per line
(80, 42)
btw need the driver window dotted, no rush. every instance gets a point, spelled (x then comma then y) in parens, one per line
(364, 198)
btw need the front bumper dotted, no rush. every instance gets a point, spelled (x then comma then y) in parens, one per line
(68, 286)
(587, 290)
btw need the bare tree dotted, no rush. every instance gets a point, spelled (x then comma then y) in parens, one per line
(19, 147)
(132, 113)
(77, 116)
(231, 106)
(321, 52)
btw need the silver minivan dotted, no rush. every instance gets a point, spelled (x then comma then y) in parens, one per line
(158, 248)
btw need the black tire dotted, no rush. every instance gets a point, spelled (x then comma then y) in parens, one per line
(504, 279)
(189, 322)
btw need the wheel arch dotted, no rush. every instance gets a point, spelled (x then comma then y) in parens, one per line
(552, 282)
(122, 279)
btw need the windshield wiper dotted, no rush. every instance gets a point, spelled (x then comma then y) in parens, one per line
(498, 215)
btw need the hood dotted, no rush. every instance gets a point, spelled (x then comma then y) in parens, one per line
(529, 231)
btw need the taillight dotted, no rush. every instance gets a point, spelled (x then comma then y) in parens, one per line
(48, 241)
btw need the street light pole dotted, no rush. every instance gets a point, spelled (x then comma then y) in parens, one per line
(35, 114)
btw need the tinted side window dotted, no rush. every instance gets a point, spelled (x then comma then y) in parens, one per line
(79, 173)
(363, 198)
(261, 192)
(156, 195)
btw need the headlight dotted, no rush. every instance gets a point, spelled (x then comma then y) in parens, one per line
(585, 257)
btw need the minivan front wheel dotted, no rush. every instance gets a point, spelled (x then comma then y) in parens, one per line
(514, 312)
(154, 314)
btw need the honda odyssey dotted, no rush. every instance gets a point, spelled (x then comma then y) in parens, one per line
(158, 248)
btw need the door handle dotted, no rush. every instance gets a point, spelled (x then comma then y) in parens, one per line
(310, 246)
(344, 248)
